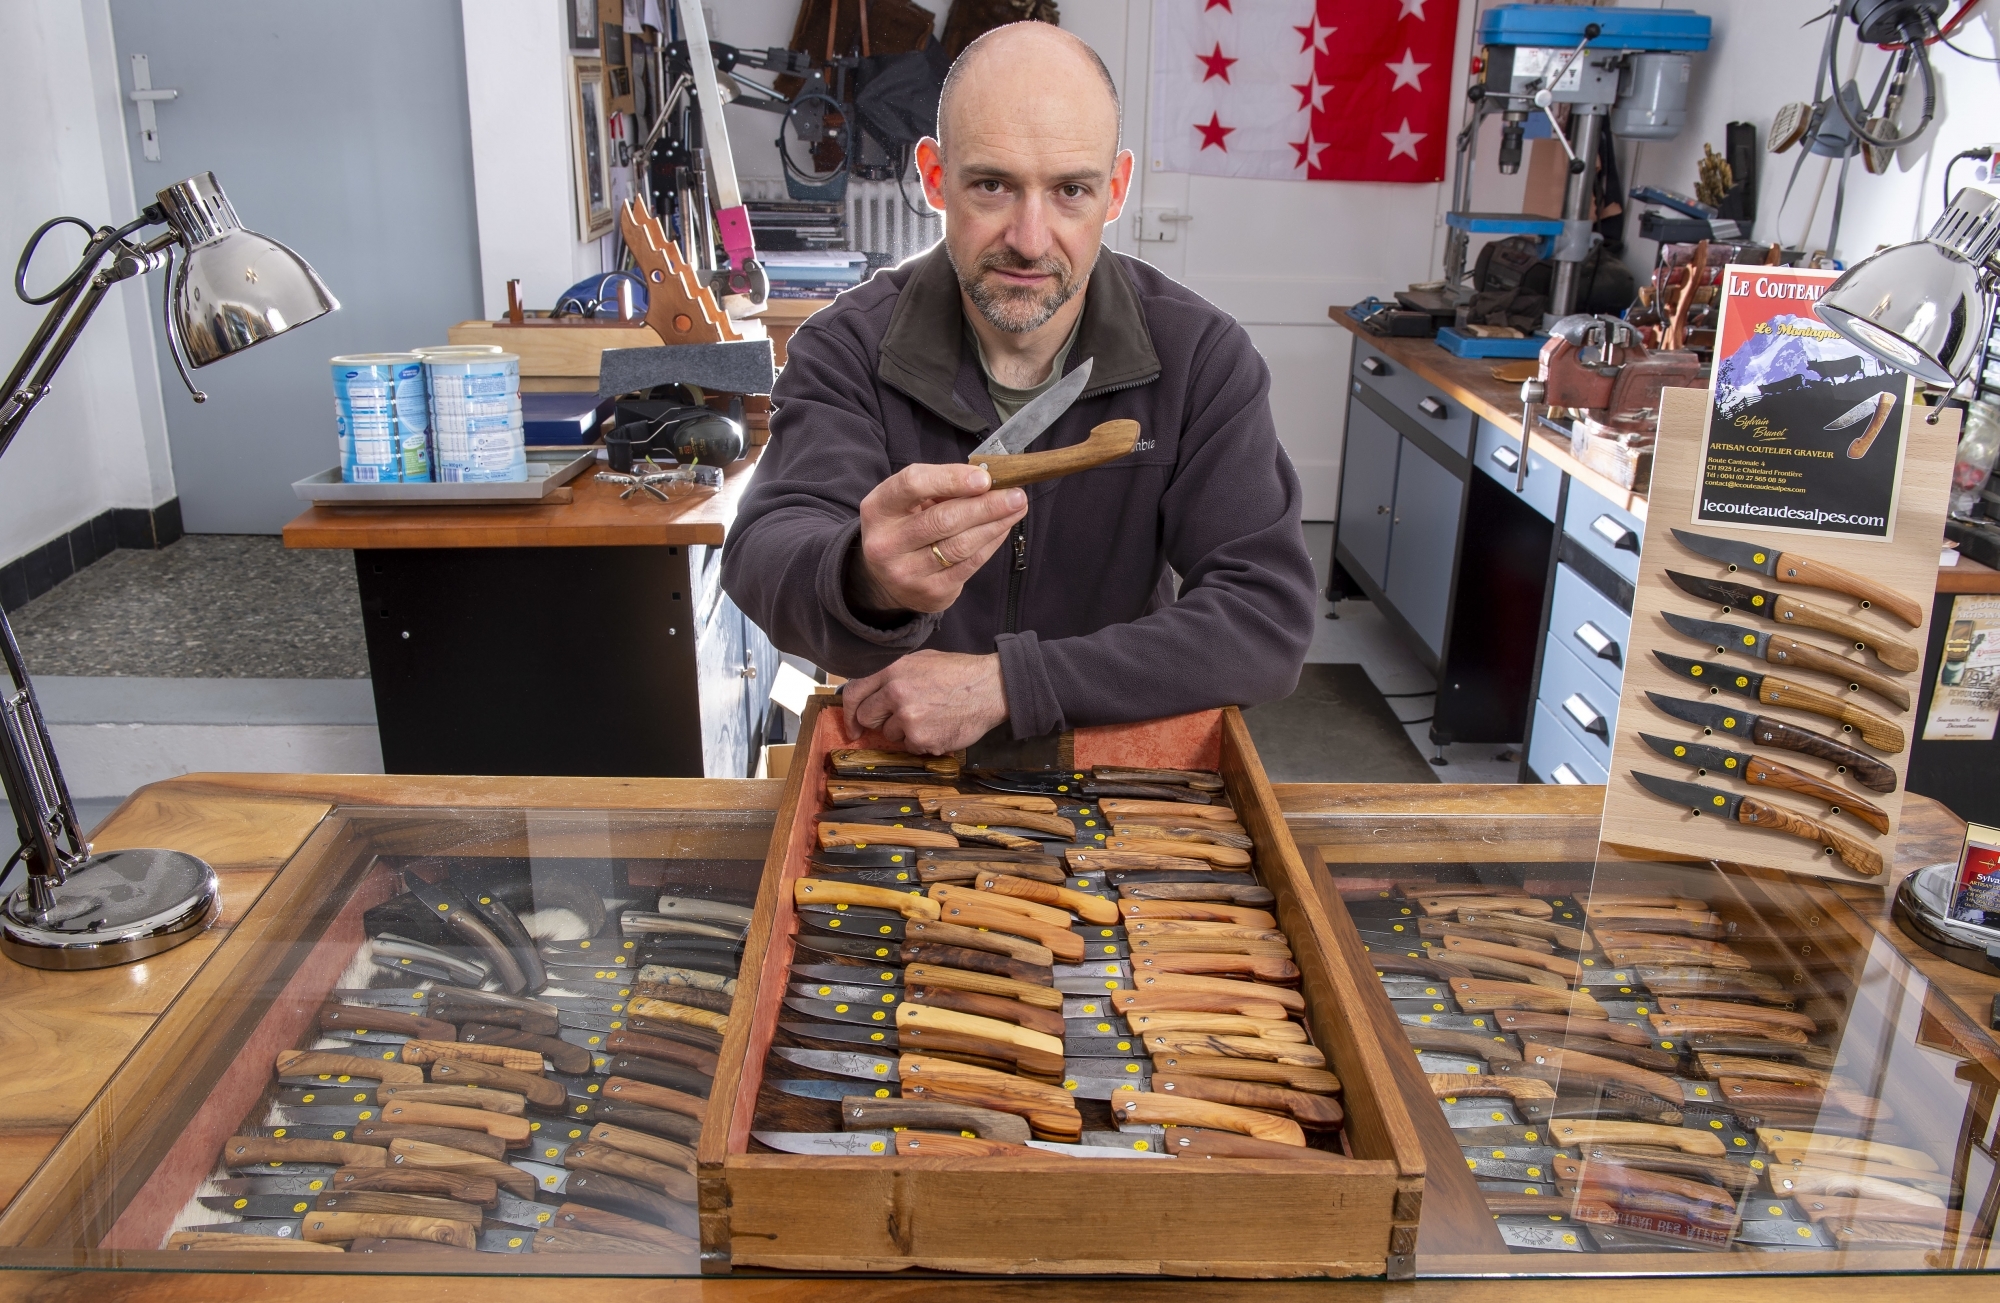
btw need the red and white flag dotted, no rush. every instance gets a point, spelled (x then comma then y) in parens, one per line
(1320, 90)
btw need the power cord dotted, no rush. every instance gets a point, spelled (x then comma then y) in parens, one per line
(1982, 152)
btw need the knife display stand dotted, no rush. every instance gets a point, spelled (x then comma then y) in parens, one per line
(1347, 1211)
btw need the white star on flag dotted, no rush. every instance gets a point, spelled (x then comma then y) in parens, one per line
(1409, 72)
(1313, 93)
(1314, 36)
(1309, 151)
(1404, 140)
(1412, 7)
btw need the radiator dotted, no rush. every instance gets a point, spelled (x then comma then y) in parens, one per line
(878, 220)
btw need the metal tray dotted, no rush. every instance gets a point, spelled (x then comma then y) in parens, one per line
(548, 470)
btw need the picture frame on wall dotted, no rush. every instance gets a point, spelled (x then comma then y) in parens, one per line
(583, 31)
(590, 145)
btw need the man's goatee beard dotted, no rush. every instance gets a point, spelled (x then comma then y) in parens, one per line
(1016, 312)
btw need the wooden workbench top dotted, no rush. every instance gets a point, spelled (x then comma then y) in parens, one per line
(595, 517)
(63, 1035)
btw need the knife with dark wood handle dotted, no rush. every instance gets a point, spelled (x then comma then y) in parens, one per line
(454, 1007)
(1225, 857)
(593, 1157)
(1639, 1056)
(1152, 1108)
(339, 1228)
(1107, 443)
(866, 1113)
(1041, 994)
(1556, 1063)
(1556, 964)
(1543, 1205)
(1877, 731)
(1736, 1178)
(630, 1199)
(401, 1180)
(1638, 1180)
(1771, 773)
(309, 1063)
(1435, 969)
(1783, 650)
(248, 1151)
(658, 1148)
(1490, 1048)
(1313, 1081)
(1896, 655)
(570, 1240)
(666, 1051)
(1317, 1111)
(363, 1018)
(1008, 941)
(1778, 1095)
(1047, 1021)
(425, 1092)
(1203, 1143)
(466, 1072)
(1677, 1026)
(580, 1218)
(1238, 893)
(1684, 1216)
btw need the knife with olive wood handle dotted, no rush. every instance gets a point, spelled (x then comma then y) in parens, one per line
(1561, 967)
(339, 1228)
(1734, 808)
(513, 1130)
(398, 1180)
(308, 1063)
(1532, 1098)
(1201, 1144)
(1130, 908)
(971, 810)
(467, 1072)
(1051, 916)
(1790, 611)
(397, 1205)
(655, 1096)
(1877, 731)
(1684, 1007)
(1279, 969)
(1215, 1024)
(591, 1156)
(1107, 443)
(1639, 1056)
(1518, 1020)
(1566, 1132)
(1493, 1049)
(1151, 1108)
(1091, 909)
(1312, 1081)
(1131, 1002)
(1806, 1099)
(1290, 1053)
(826, 891)
(251, 1151)
(1550, 1062)
(1781, 649)
(504, 1102)
(1761, 772)
(1308, 1110)
(1476, 996)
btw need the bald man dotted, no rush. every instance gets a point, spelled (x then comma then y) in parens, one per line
(869, 545)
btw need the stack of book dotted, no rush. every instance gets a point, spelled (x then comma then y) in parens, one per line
(790, 225)
(812, 274)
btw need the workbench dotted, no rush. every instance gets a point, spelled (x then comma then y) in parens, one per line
(1516, 591)
(74, 1036)
(586, 636)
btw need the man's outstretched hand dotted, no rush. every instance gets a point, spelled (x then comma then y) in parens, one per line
(950, 507)
(930, 702)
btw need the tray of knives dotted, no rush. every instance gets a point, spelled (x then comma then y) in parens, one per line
(997, 987)
(506, 1064)
(1643, 1071)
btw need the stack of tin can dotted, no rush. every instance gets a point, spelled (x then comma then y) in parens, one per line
(477, 433)
(382, 408)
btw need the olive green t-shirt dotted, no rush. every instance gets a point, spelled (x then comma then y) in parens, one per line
(1008, 400)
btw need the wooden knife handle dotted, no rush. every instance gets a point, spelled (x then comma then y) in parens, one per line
(1859, 446)
(1064, 944)
(1195, 910)
(1620, 1177)
(229, 1242)
(1770, 773)
(398, 1180)
(1578, 1061)
(1200, 1144)
(1240, 892)
(1260, 968)
(1257, 991)
(1217, 811)
(1896, 655)
(958, 936)
(1149, 1108)
(667, 1011)
(1771, 1094)
(1450, 906)
(630, 1199)
(1107, 442)
(864, 1113)
(936, 798)
(1795, 569)
(946, 895)
(1537, 1205)
(1049, 1022)
(1824, 1181)
(826, 891)
(669, 1181)
(1289, 1053)
(1781, 650)
(658, 1148)
(920, 1069)
(1519, 1020)
(1088, 859)
(1475, 996)
(1047, 1120)
(666, 1051)
(875, 834)
(1564, 968)
(396, 1205)
(1867, 770)
(1317, 1111)
(519, 1050)
(1131, 1002)
(967, 960)
(914, 1018)
(499, 1055)
(1194, 927)
(487, 1101)
(652, 1096)
(1091, 909)
(363, 1018)
(938, 1144)
(1459, 1085)
(1313, 1081)
(980, 812)
(455, 1008)
(514, 1130)
(1853, 854)
(419, 1154)
(579, 1219)
(844, 790)
(248, 1151)
(957, 979)
(1221, 856)
(1210, 944)
(468, 1072)
(385, 1133)
(1217, 1024)
(310, 1063)
(1877, 731)
(338, 1228)
(1803, 1024)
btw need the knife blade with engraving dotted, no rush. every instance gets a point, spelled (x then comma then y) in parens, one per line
(1790, 611)
(1779, 649)
(1761, 772)
(1758, 814)
(1867, 770)
(1878, 732)
(1791, 568)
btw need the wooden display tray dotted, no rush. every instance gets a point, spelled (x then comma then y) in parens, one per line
(1238, 1218)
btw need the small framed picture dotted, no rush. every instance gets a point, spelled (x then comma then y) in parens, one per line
(590, 143)
(614, 44)
(583, 25)
(621, 83)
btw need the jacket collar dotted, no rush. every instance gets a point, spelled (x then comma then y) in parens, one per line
(923, 351)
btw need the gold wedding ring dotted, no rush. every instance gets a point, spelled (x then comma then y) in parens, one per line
(940, 556)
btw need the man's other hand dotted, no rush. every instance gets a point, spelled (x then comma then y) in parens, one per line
(930, 702)
(952, 509)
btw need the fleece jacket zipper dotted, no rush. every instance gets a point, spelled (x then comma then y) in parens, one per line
(1016, 576)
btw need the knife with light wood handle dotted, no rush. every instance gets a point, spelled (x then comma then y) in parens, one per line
(1493, 1049)
(1450, 906)
(1476, 996)
(1129, 1003)
(1291, 1053)
(1308, 1110)
(658, 1148)
(1313, 1081)
(1059, 941)
(940, 1144)
(1564, 968)
(1532, 1098)
(1677, 1026)
(825, 891)
(1537, 1059)
(1107, 443)
(1209, 944)
(1197, 910)
(420, 1154)
(311, 1063)
(456, 1186)
(1817, 1142)
(1569, 938)
(1216, 1024)
(513, 1130)
(979, 812)
(1261, 968)
(958, 979)
(1199, 1144)
(1717, 1066)
(858, 835)
(1834, 1207)
(946, 894)
(1797, 1184)
(339, 1228)
(914, 1019)
(355, 1017)
(1519, 1020)
(1220, 856)
(1922, 1178)
(535, 1089)
(1150, 1108)
(1091, 909)
(397, 1205)
(997, 941)
(425, 1092)
(1047, 1021)
(1639, 1056)
(1257, 991)
(1179, 809)
(1566, 1132)
(1779, 649)
(249, 1151)
(593, 1157)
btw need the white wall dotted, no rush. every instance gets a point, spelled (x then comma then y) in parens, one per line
(517, 82)
(99, 440)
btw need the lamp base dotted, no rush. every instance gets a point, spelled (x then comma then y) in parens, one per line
(1923, 911)
(118, 907)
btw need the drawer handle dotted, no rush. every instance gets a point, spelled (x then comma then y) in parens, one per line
(1586, 716)
(1507, 459)
(1613, 531)
(1602, 645)
(1431, 407)
(1567, 777)
(1374, 366)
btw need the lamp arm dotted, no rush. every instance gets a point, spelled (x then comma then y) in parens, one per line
(28, 383)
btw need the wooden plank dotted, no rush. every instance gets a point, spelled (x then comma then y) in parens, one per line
(569, 347)
(594, 517)
(1419, 823)
(1968, 576)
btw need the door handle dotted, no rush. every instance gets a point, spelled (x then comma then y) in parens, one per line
(1602, 645)
(749, 670)
(143, 94)
(1506, 458)
(1587, 716)
(1613, 531)
(1566, 777)
(1374, 366)
(1431, 407)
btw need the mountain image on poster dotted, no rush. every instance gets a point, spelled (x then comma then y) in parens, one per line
(1804, 431)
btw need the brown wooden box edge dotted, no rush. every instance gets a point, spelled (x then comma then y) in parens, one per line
(1238, 1219)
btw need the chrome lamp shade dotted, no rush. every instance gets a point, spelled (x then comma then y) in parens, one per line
(1925, 307)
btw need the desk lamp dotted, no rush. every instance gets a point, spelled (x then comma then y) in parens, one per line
(234, 288)
(1925, 307)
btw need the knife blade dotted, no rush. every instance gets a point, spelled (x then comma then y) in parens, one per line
(1881, 733)
(1779, 649)
(548, 1178)
(516, 1211)
(841, 1063)
(1790, 611)
(1104, 1087)
(1791, 568)
(1755, 813)
(1540, 1233)
(288, 1229)
(284, 1206)
(1027, 424)
(1867, 770)
(1479, 1113)
(1761, 772)
(311, 1186)
(830, 1144)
